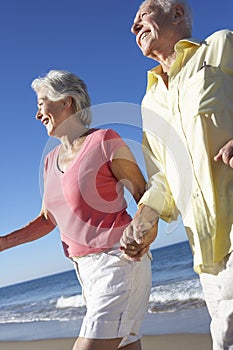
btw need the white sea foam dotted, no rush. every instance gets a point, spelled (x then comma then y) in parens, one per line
(181, 291)
(74, 301)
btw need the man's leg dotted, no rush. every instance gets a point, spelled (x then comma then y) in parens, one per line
(218, 292)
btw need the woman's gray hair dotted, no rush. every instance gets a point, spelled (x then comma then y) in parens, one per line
(166, 5)
(61, 84)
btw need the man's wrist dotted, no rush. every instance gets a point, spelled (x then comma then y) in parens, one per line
(148, 213)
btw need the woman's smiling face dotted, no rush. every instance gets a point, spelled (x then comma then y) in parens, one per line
(50, 113)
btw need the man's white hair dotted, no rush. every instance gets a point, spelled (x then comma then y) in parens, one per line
(166, 6)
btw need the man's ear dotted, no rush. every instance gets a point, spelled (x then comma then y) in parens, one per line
(178, 13)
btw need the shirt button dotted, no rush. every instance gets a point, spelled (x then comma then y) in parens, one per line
(195, 194)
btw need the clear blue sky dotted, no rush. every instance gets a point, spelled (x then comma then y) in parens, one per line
(93, 40)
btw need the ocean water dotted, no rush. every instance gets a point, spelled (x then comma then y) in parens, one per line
(58, 297)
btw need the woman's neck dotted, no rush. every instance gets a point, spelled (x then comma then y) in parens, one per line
(73, 137)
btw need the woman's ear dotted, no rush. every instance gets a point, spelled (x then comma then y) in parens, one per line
(67, 103)
(178, 14)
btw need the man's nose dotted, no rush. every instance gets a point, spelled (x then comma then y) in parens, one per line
(136, 27)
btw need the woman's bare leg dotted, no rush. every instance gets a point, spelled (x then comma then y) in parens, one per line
(133, 346)
(104, 344)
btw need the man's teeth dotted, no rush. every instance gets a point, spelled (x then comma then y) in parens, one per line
(144, 35)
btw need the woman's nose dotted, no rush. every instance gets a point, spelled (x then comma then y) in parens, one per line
(38, 114)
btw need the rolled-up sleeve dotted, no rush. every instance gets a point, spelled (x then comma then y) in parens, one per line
(158, 195)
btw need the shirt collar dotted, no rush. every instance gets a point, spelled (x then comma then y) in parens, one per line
(154, 73)
(187, 43)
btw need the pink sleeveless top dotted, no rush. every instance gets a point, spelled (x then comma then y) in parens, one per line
(87, 202)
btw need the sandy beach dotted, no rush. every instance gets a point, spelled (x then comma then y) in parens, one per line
(149, 342)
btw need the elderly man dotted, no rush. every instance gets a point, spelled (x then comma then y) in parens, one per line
(188, 130)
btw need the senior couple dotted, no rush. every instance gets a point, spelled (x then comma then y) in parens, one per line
(187, 117)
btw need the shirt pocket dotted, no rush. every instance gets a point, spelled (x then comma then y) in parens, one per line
(203, 92)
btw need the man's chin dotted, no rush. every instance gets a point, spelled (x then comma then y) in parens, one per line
(146, 51)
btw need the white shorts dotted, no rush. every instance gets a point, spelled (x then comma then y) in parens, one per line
(116, 292)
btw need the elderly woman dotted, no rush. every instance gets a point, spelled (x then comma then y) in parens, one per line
(84, 197)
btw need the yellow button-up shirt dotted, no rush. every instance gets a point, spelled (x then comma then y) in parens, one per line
(184, 127)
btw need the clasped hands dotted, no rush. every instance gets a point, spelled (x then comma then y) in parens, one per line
(140, 233)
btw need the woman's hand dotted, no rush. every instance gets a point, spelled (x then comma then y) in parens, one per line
(133, 250)
(3, 245)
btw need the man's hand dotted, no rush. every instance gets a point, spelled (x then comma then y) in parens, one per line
(143, 221)
(226, 154)
(141, 232)
(134, 251)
